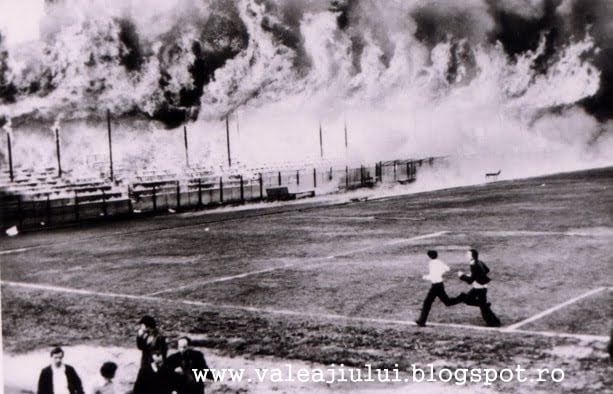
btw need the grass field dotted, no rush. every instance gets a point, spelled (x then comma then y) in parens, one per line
(339, 283)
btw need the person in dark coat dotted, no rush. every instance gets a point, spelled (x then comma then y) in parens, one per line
(149, 338)
(183, 362)
(59, 378)
(156, 377)
(477, 296)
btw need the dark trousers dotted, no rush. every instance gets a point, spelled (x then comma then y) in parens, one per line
(436, 290)
(478, 297)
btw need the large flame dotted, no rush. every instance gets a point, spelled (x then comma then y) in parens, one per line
(411, 78)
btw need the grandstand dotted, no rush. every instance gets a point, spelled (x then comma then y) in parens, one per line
(33, 198)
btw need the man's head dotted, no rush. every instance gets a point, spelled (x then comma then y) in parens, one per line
(432, 254)
(148, 322)
(57, 355)
(472, 254)
(108, 370)
(183, 344)
(158, 357)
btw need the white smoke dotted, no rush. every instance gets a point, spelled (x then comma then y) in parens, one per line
(402, 96)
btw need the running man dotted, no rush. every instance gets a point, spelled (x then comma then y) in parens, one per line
(477, 296)
(435, 275)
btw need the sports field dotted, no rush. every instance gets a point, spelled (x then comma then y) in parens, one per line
(340, 283)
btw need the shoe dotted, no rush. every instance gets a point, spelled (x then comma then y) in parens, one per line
(420, 323)
(494, 324)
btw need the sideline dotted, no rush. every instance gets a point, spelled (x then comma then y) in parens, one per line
(554, 308)
(282, 312)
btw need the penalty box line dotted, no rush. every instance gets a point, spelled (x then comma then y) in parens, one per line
(546, 312)
(283, 312)
(310, 264)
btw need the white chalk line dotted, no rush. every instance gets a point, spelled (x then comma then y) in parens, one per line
(283, 312)
(554, 308)
(221, 279)
(11, 251)
(310, 263)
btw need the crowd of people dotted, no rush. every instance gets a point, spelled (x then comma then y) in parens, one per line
(158, 372)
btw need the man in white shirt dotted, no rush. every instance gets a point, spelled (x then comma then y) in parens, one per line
(59, 378)
(436, 269)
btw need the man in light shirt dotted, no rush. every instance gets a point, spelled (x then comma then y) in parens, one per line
(59, 378)
(436, 269)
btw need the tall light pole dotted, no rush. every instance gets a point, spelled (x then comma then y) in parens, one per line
(57, 151)
(321, 143)
(228, 140)
(10, 148)
(186, 146)
(108, 122)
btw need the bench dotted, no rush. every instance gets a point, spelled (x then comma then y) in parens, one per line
(282, 193)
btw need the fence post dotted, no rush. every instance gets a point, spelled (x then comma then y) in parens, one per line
(279, 178)
(48, 210)
(154, 198)
(130, 210)
(361, 175)
(221, 190)
(178, 195)
(314, 177)
(394, 170)
(298, 177)
(199, 192)
(346, 177)
(261, 186)
(330, 176)
(242, 190)
(76, 206)
(104, 212)
(19, 211)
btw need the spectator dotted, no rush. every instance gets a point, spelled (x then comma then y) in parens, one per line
(59, 378)
(149, 338)
(183, 362)
(156, 377)
(104, 383)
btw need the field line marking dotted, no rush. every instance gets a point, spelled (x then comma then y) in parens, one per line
(304, 264)
(553, 309)
(10, 251)
(389, 243)
(222, 279)
(284, 312)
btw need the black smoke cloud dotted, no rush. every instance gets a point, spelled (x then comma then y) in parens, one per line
(173, 67)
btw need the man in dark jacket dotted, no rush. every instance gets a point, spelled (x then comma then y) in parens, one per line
(59, 378)
(477, 296)
(183, 362)
(156, 377)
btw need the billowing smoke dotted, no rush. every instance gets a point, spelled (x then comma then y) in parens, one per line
(410, 78)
